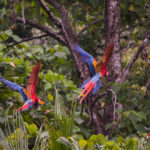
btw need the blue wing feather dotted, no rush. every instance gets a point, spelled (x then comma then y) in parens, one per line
(94, 79)
(98, 85)
(82, 52)
(11, 85)
(84, 83)
(27, 105)
(23, 94)
(86, 57)
(91, 67)
(14, 86)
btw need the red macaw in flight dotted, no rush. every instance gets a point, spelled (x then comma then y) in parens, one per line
(97, 70)
(28, 94)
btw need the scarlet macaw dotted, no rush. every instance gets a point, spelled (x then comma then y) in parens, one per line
(97, 70)
(29, 95)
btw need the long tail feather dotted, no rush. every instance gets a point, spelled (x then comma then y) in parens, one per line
(87, 92)
(27, 105)
(86, 87)
(84, 83)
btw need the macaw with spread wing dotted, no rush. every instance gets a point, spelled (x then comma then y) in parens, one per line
(28, 94)
(98, 70)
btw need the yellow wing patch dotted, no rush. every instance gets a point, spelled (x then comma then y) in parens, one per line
(95, 63)
(24, 90)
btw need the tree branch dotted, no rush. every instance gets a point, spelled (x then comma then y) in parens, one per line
(88, 25)
(127, 69)
(25, 40)
(23, 13)
(133, 26)
(45, 29)
(114, 99)
(53, 3)
(70, 38)
(64, 20)
(97, 97)
(50, 14)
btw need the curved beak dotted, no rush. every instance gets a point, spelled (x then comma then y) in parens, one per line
(41, 102)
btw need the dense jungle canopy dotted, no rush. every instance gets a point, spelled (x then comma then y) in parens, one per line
(117, 116)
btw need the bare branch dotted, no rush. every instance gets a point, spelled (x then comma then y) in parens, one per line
(64, 20)
(133, 26)
(25, 40)
(53, 3)
(74, 55)
(45, 29)
(76, 5)
(88, 25)
(127, 69)
(114, 99)
(23, 13)
(70, 38)
(99, 95)
(50, 14)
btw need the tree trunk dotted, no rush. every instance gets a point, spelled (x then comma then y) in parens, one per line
(112, 28)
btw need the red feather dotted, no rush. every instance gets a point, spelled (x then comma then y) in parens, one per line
(99, 67)
(33, 81)
(106, 58)
(84, 90)
(107, 53)
(24, 107)
(89, 89)
(89, 86)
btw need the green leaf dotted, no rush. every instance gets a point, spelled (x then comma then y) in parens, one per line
(108, 125)
(79, 120)
(132, 143)
(32, 129)
(50, 97)
(82, 143)
(76, 129)
(116, 88)
(115, 147)
(48, 86)
(9, 32)
(16, 38)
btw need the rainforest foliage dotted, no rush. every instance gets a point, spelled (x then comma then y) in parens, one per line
(34, 31)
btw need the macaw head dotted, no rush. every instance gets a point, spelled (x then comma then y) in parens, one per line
(39, 101)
